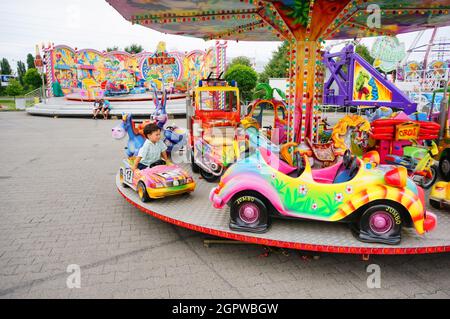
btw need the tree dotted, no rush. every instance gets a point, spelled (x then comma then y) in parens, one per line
(246, 79)
(242, 60)
(14, 88)
(134, 48)
(5, 67)
(114, 48)
(32, 78)
(277, 66)
(21, 70)
(30, 61)
(364, 52)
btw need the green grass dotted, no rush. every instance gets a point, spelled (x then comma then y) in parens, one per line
(11, 104)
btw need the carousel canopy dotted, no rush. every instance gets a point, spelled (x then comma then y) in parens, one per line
(276, 20)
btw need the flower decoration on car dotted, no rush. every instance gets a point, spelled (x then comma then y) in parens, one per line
(349, 189)
(303, 189)
(339, 197)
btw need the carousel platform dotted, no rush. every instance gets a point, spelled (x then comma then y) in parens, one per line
(60, 106)
(195, 212)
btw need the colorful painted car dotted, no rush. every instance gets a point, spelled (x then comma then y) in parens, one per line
(213, 137)
(440, 195)
(378, 202)
(156, 182)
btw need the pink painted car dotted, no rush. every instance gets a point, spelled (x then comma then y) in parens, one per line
(156, 182)
(377, 201)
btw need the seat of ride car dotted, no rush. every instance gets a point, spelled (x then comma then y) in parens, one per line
(345, 174)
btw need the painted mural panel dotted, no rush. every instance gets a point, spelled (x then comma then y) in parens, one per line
(65, 70)
(368, 88)
(120, 72)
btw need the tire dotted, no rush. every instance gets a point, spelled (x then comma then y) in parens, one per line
(121, 178)
(444, 167)
(207, 176)
(142, 192)
(381, 223)
(249, 213)
(429, 182)
(194, 166)
(435, 204)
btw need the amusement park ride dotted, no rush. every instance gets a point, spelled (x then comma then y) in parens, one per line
(263, 184)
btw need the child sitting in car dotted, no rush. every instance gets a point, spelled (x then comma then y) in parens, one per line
(153, 150)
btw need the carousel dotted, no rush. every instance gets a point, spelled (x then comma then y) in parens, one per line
(355, 206)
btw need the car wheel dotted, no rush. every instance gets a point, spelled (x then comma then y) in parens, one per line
(122, 179)
(194, 166)
(435, 204)
(142, 192)
(428, 182)
(249, 213)
(380, 223)
(444, 167)
(209, 177)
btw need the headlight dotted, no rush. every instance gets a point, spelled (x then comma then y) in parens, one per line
(397, 177)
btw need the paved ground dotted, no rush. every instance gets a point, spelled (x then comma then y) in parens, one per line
(59, 206)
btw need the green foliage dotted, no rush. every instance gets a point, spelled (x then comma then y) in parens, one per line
(134, 48)
(32, 79)
(30, 61)
(114, 48)
(265, 91)
(14, 88)
(245, 77)
(21, 70)
(243, 60)
(5, 68)
(363, 51)
(277, 66)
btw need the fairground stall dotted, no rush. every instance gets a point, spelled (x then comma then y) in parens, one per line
(88, 74)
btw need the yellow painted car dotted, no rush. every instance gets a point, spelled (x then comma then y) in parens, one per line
(440, 195)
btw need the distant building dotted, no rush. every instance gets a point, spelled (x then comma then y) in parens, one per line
(5, 78)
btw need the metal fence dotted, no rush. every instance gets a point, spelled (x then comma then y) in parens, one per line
(33, 97)
(22, 101)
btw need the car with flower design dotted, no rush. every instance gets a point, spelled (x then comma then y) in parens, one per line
(376, 200)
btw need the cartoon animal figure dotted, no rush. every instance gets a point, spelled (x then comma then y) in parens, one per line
(381, 112)
(135, 139)
(346, 127)
(160, 114)
(173, 136)
(161, 47)
(360, 85)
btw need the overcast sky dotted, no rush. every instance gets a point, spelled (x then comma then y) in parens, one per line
(95, 24)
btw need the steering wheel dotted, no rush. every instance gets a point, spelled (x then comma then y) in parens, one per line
(299, 162)
(347, 159)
